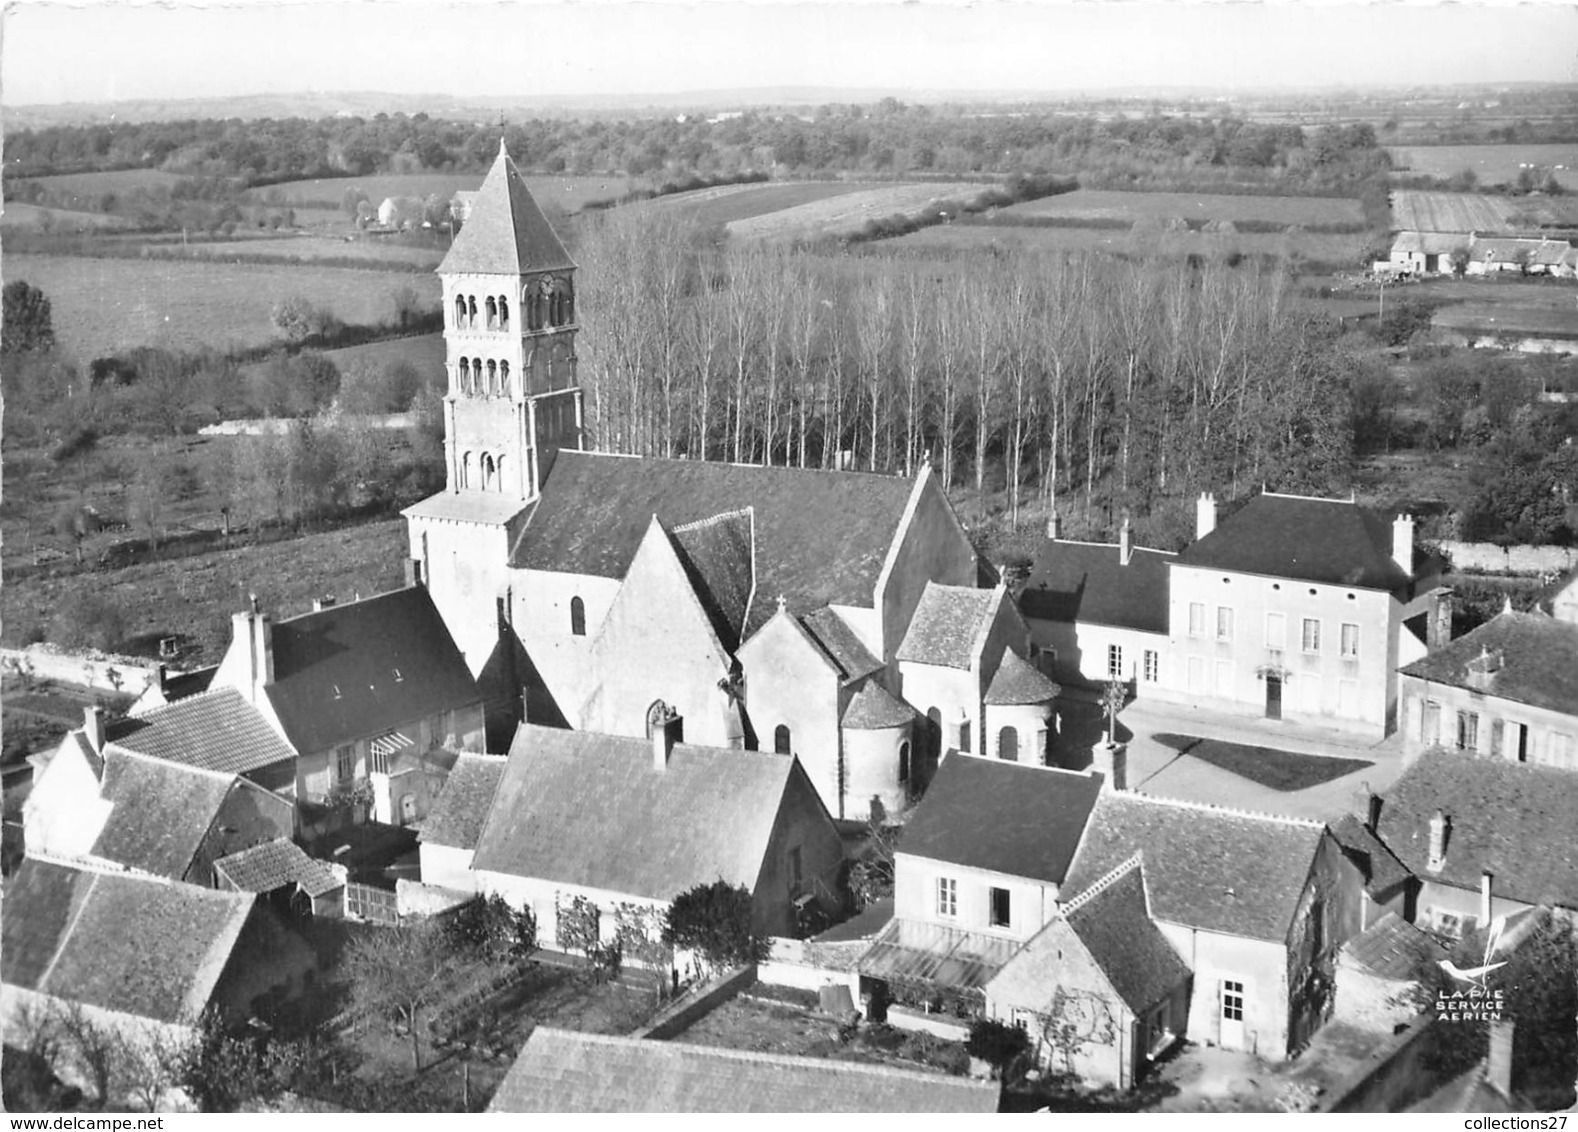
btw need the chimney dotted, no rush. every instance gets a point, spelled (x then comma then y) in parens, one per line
(162, 675)
(667, 728)
(1440, 830)
(1054, 526)
(1498, 1066)
(1485, 878)
(413, 572)
(1483, 668)
(1125, 546)
(1204, 515)
(319, 604)
(1374, 821)
(1403, 543)
(261, 631)
(93, 727)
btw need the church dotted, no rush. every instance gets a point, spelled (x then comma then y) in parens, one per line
(842, 617)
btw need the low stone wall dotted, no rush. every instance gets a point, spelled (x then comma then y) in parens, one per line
(1396, 1080)
(1488, 558)
(944, 1026)
(127, 675)
(413, 898)
(696, 1003)
(279, 426)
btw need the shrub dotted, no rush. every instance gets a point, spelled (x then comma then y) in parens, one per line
(714, 921)
(88, 621)
(80, 439)
(996, 1042)
(488, 926)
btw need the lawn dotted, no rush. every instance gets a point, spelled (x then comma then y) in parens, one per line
(112, 181)
(1492, 164)
(18, 215)
(101, 305)
(730, 203)
(1265, 766)
(1103, 204)
(847, 212)
(375, 252)
(1314, 247)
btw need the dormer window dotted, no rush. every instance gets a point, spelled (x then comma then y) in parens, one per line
(397, 676)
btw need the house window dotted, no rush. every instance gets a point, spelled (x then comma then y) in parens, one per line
(1559, 751)
(1430, 724)
(947, 897)
(1232, 1001)
(1224, 623)
(377, 762)
(1197, 618)
(1153, 666)
(1350, 641)
(1498, 731)
(1467, 731)
(1276, 631)
(795, 875)
(1445, 923)
(1000, 908)
(345, 763)
(1115, 661)
(781, 739)
(577, 617)
(1008, 744)
(1310, 638)
(904, 762)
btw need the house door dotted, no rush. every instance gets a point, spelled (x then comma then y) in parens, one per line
(1273, 696)
(407, 809)
(1232, 1011)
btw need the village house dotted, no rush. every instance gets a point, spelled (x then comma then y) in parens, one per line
(447, 840)
(1485, 836)
(296, 885)
(1378, 973)
(372, 696)
(566, 1071)
(597, 834)
(1389, 888)
(1507, 689)
(1428, 253)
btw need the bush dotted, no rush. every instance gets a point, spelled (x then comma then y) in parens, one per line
(996, 1042)
(488, 926)
(80, 439)
(88, 621)
(714, 921)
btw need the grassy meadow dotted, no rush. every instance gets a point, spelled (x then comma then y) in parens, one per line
(1492, 164)
(727, 204)
(1104, 204)
(845, 213)
(1313, 247)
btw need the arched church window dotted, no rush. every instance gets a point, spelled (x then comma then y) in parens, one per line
(504, 378)
(531, 298)
(465, 470)
(460, 312)
(781, 739)
(471, 310)
(493, 378)
(465, 375)
(504, 313)
(501, 472)
(476, 375)
(1008, 744)
(489, 472)
(577, 617)
(493, 313)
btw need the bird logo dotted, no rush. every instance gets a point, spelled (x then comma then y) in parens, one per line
(1476, 976)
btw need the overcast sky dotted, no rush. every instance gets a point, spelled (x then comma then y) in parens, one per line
(95, 51)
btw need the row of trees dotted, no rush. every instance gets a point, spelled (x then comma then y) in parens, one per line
(1121, 384)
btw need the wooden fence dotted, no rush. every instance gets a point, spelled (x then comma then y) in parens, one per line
(375, 905)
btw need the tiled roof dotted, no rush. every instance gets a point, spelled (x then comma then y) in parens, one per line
(137, 945)
(588, 809)
(505, 232)
(215, 730)
(1391, 948)
(458, 813)
(354, 670)
(468, 507)
(274, 864)
(1312, 540)
(840, 643)
(1512, 820)
(873, 708)
(1383, 872)
(1017, 682)
(564, 1071)
(1539, 660)
(719, 556)
(821, 538)
(1006, 817)
(946, 625)
(1429, 243)
(160, 812)
(1216, 870)
(1085, 582)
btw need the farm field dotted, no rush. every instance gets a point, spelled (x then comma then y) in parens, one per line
(1104, 204)
(424, 351)
(18, 215)
(101, 305)
(113, 181)
(1510, 306)
(1315, 247)
(1418, 211)
(729, 203)
(846, 212)
(1492, 164)
(374, 251)
(569, 193)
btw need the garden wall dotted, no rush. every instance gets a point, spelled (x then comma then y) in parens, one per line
(1488, 558)
(413, 898)
(105, 672)
(696, 1004)
(1397, 1080)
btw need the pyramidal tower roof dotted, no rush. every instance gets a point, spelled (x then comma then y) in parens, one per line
(506, 234)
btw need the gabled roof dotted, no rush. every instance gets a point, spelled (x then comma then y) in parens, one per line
(458, 813)
(1391, 948)
(1086, 582)
(821, 538)
(1512, 820)
(947, 624)
(160, 812)
(138, 945)
(588, 809)
(565, 1071)
(873, 708)
(719, 556)
(354, 670)
(1017, 683)
(275, 864)
(1215, 870)
(1429, 243)
(839, 641)
(1538, 661)
(183, 685)
(1383, 872)
(1312, 540)
(505, 233)
(214, 730)
(1011, 818)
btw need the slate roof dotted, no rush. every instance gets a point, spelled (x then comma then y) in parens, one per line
(821, 538)
(1011, 818)
(214, 730)
(946, 625)
(1383, 872)
(1311, 540)
(505, 232)
(353, 670)
(1513, 820)
(1115, 927)
(873, 708)
(1084, 582)
(274, 864)
(458, 813)
(160, 812)
(840, 643)
(1216, 870)
(468, 507)
(1017, 682)
(1539, 660)
(1429, 243)
(565, 1071)
(588, 809)
(1391, 948)
(138, 945)
(719, 556)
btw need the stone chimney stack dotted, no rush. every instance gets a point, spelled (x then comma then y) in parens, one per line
(93, 727)
(319, 604)
(1374, 816)
(667, 728)
(1204, 515)
(1498, 1066)
(1054, 526)
(263, 649)
(1403, 543)
(1125, 543)
(1440, 830)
